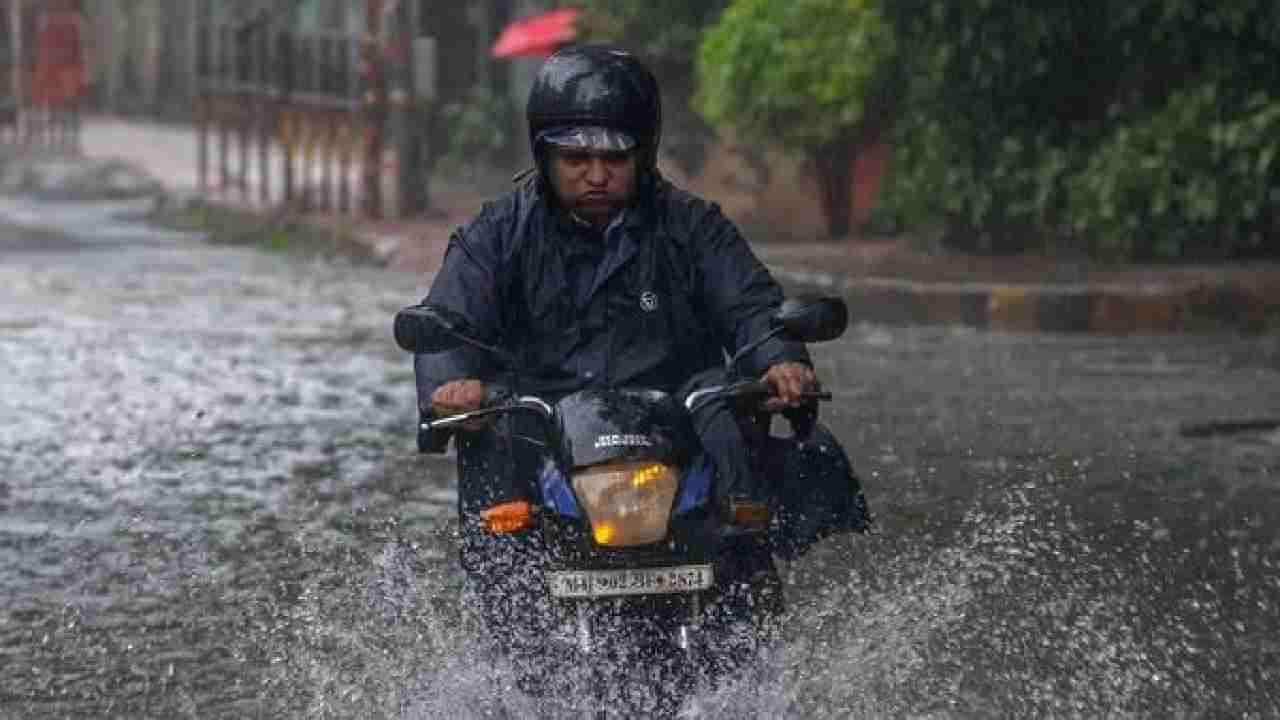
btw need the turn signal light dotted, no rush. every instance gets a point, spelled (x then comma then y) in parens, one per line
(604, 533)
(508, 517)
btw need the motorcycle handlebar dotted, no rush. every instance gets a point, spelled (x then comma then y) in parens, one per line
(745, 388)
(499, 401)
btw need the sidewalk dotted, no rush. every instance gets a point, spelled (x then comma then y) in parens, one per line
(884, 281)
(170, 153)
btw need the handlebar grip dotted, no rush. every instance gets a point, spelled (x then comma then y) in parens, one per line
(744, 390)
(808, 397)
(496, 394)
(816, 394)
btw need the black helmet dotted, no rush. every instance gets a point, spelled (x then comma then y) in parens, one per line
(594, 96)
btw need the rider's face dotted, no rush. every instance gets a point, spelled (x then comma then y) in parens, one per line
(594, 185)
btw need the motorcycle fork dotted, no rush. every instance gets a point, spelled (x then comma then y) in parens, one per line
(684, 634)
(591, 683)
(586, 636)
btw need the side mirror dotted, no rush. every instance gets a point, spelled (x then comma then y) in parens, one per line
(430, 329)
(813, 318)
(433, 329)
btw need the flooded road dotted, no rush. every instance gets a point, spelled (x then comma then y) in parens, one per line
(210, 506)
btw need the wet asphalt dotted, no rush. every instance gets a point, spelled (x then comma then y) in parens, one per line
(210, 506)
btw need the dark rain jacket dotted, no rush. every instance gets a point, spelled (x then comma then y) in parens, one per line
(673, 287)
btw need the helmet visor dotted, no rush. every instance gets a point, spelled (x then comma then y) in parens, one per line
(588, 137)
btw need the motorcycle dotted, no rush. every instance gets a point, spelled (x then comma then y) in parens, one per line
(609, 574)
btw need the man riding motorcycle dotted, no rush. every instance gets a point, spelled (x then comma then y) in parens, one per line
(598, 272)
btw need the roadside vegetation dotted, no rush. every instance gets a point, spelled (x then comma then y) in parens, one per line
(277, 232)
(1124, 130)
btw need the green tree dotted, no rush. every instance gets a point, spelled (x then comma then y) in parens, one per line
(1136, 129)
(809, 76)
(666, 34)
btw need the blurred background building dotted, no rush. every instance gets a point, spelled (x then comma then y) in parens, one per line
(147, 50)
(434, 78)
(446, 100)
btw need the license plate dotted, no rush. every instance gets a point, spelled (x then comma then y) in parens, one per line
(638, 581)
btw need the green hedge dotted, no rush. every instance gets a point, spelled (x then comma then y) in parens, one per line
(1134, 130)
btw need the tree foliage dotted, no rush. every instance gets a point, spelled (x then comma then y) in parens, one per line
(798, 74)
(666, 34)
(805, 75)
(1195, 177)
(477, 129)
(1134, 128)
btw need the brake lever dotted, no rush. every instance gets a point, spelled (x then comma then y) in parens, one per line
(746, 388)
(504, 405)
(463, 418)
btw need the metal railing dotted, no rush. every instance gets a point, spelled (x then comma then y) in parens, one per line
(310, 68)
(285, 99)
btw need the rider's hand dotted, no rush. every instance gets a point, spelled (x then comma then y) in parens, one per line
(789, 381)
(457, 397)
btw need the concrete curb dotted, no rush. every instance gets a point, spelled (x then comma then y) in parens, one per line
(1100, 309)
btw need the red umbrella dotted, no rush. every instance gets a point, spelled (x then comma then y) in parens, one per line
(539, 35)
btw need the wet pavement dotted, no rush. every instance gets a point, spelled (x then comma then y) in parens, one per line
(210, 506)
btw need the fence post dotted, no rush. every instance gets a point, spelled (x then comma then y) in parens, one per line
(202, 143)
(244, 66)
(326, 161)
(264, 116)
(284, 49)
(202, 108)
(19, 90)
(346, 141)
(411, 181)
(224, 157)
(374, 110)
(347, 135)
(220, 111)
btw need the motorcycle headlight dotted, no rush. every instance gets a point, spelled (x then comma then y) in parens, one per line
(627, 504)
